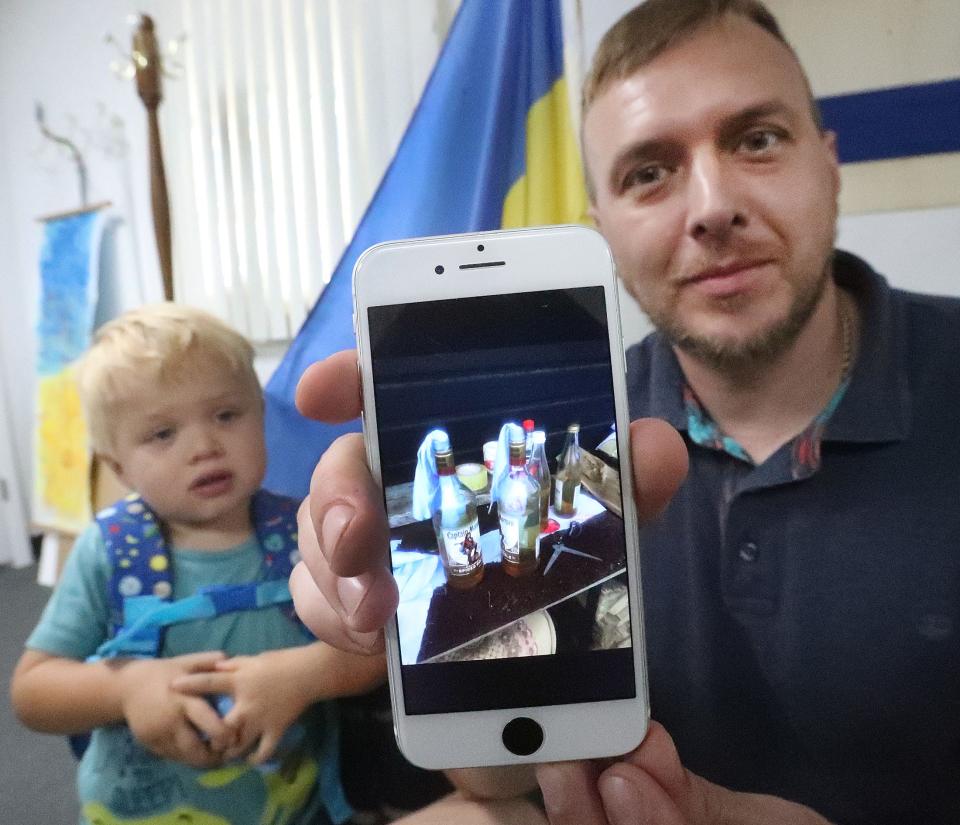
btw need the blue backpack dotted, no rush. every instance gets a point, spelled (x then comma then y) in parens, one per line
(141, 586)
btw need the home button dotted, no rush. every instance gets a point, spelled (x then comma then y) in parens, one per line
(522, 736)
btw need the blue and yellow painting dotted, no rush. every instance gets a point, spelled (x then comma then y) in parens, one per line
(69, 264)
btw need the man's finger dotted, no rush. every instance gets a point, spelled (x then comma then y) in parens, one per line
(344, 543)
(658, 757)
(346, 512)
(329, 390)
(658, 761)
(316, 611)
(660, 463)
(570, 793)
(631, 797)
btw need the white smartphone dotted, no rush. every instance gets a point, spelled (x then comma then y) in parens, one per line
(492, 369)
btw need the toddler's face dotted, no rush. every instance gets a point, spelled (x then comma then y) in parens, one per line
(194, 449)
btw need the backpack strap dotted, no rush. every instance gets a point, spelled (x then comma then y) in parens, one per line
(147, 616)
(137, 554)
(275, 520)
(141, 585)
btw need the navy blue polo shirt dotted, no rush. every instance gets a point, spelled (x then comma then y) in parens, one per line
(802, 630)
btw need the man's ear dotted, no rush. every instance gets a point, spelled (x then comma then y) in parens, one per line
(829, 138)
(592, 212)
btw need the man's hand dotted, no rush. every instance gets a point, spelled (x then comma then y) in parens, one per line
(343, 589)
(651, 787)
(344, 592)
(172, 725)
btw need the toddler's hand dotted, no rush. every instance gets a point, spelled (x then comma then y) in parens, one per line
(169, 723)
(267, 699)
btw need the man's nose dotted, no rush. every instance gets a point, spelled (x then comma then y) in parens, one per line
(714, 208)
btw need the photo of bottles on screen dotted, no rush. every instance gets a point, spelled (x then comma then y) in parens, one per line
(498, 461)
(519, 481)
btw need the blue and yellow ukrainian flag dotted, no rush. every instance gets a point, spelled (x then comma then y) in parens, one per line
(490, 145)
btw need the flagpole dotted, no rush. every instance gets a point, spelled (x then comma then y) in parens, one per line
(574, 53)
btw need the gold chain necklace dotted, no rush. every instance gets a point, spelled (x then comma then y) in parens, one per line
(846, 340)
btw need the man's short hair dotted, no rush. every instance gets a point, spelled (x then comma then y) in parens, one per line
(149, 347)
(654, 26)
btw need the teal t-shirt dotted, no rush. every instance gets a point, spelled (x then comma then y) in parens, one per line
(118, 780)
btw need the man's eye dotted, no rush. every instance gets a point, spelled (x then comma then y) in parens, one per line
(761, 141)
(645, 176)
(163, 434)
(226, 416)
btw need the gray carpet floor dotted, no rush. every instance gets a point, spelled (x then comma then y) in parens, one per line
(36, 770)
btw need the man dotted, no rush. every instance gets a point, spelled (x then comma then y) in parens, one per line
(801, 591)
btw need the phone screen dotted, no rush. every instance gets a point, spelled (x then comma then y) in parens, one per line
(556, 628)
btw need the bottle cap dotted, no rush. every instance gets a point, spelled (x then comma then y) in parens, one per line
(425, 478)
(528, 425)
(573, 428)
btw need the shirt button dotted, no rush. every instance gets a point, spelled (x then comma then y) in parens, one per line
(748, 551)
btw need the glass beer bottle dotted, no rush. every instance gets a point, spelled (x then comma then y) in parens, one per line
(528, 425)
(566, 483)
(454, 515)
(519, 510)
(538, 467)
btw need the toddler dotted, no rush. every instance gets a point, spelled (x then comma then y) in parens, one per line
(170, 636)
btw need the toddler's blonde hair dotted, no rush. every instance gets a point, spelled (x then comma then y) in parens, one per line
(149, 347)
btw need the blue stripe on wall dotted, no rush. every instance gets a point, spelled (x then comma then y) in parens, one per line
(922, 119)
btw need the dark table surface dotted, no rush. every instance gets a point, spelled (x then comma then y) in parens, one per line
(456, 617)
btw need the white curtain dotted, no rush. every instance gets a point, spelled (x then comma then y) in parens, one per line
(14, 536)
(276, 135)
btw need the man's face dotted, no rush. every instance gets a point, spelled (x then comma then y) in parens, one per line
(193, 448)
(716, 191)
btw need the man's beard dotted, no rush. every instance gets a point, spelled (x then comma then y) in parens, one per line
(739, 358)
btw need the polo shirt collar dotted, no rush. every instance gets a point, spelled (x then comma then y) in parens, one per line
(666, 384)
(876, 405)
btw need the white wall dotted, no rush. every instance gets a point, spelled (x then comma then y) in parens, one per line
(53, 52)
(902, 214)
